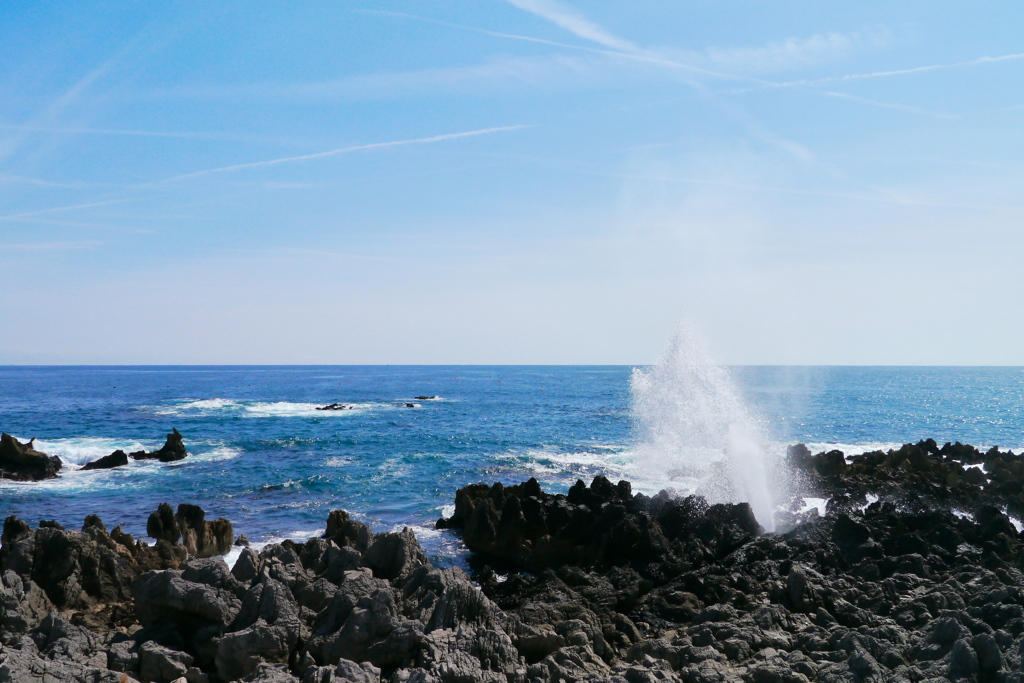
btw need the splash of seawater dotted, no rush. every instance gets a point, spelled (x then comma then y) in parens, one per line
(695, 432)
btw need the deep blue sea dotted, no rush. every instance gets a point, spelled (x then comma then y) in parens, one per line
(263, 457)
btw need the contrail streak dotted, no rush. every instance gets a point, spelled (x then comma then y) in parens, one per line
(345, 150)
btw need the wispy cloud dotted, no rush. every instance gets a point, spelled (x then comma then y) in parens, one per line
(574, 22)
(183, 135)
(48, 246)
(54, 209)
(500, 74)
(891, 105)
(631, 53)
(50, 113)
(895, 72)
(882, 196)
(40, 182)
(794, 52)
(345, 150)
(83, 224)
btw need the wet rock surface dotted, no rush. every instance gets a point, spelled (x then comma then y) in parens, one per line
(172, 450)
(116, 459)
(22, 462)
(597, 585)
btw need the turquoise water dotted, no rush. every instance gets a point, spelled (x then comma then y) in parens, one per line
(263, 457)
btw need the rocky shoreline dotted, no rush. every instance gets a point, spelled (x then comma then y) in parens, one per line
(913, 574)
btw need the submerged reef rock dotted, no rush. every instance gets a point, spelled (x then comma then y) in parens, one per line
(335, 406)
(22, 462)
(596, 585)
(173, 449)
(116, 459)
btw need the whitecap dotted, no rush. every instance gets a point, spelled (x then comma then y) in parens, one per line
(257, 408)
(218, 453)
(78, 451)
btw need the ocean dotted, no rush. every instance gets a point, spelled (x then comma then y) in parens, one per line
(265, 458)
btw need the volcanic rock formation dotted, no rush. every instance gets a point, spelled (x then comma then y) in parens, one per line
(173, 449)
(22, 462)
(597, 585)
(116, 459)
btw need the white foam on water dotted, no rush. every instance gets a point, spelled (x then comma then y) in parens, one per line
(423, 532)
(819, 504)
(963, 515)
(695, 432)
(260, 408)
(205, 405)
(565, 467)
(447, 511)
(78, 451)
(871, 498)
(392, 467)
(1013, 520)
(287, 409)
(338, 461)
(851, 449)
(232, 556)
(218, 453)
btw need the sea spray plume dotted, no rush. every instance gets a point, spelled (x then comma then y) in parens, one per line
(695, 432)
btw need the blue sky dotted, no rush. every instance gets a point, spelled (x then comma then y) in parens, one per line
(530, 181)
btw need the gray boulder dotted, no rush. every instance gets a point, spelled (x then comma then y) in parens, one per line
(266, 629)
(392, 555)
(166, 596)
(23, 605)
(161, 664)
(25, 665)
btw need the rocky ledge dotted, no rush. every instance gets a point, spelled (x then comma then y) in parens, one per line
(597, 585)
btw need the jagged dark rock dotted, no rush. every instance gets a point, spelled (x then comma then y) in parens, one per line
(200, 537)
(22, 462)
(173, 449)
(599, 584)
(335, 406)
(116, 459)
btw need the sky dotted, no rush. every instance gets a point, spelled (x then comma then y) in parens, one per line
(520, 181)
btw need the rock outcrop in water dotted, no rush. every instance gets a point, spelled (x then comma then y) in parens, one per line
(597, 585)
(22, 462)
(173, 449)
(116, 459)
